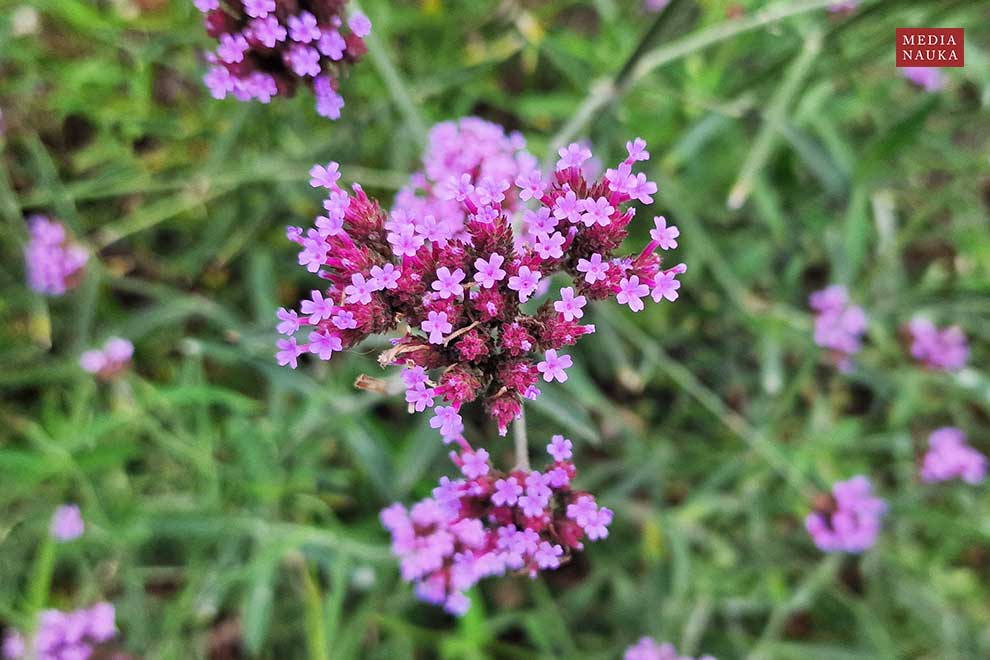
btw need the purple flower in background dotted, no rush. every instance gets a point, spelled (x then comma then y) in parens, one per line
(648, 649)
(839, 325)
(940, 350)
(928, 77)
(109, 361)
(655, 6)
(67, 523)
(54, 264)
(65, 635)
(851, 519)
(264, 52)
(949, 457)
(843, 6)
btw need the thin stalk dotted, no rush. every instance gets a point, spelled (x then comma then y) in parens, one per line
(521, 441)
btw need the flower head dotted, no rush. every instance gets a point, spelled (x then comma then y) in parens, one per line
(454, 261)
(939, 350)
(67, 523)
(487, 524)
(54, 263)
(852, 520)
(264, 51)
(108, 362)
(839, 325)
(950, 457)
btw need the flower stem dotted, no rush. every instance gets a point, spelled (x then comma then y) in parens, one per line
(521, 441)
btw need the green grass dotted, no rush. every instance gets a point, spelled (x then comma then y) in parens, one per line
(232, 505)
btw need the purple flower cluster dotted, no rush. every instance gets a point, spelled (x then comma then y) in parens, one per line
(109, 361)
(54, 263)
(648, 649)
(839, 325)
(67, 523)
(65, 635)
(269, 47)
(655, 6)
(850, 520)
(940, 350)
(489, 523)
(927, 77)
(950, 457)
(459, 281)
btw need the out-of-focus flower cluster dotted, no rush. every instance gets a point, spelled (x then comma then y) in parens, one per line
(67, 523)
(950, 457)
(64, 635)
(54, 263)
(466, 246)
(267, 48)
(928, 78)
(850, 520)
(839, 325)
(489, 523)
(941, 350)
(109, 361)
(648, 649)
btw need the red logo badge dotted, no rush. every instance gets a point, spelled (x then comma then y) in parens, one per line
(930, 47)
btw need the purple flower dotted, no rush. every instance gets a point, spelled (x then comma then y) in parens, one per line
(448, 421)
(448, 284)
(288, 352)
(359, 290)
(489, 272)
(258, 8)
(67, 523)
(304, 60)
(54, 265)
(437, 326)
(839, 325)
(530, 185)
(648, 649)
(573, 155)
(206, 5)
(232, 48)
(109, 361)
(317, 307)
(553, 365)
(507, 492)
(303, 28)
(420, 397)
(324, 344)
(14, 646)
(596, 211)
(929, 78)
(560, 448)
(852, 523)
(940, 350)
(569, 305)
(325, 177)
(525, 282)
(666, 287)
(475, 464)
(594, 269)
(631, 292)
(385, 277)
(950, 457)
(359, 24)
(666, 237)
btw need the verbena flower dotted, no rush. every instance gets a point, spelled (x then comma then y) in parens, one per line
(109, 361)
(67, 523)
(455, 262)
(491, 523)
(648, 649)
(927, 77)
(269, 48)
(844, 6)
(54, 263)
(65, 635)
(940, 350)
(850, 520)
(949, 457)
(839, 325)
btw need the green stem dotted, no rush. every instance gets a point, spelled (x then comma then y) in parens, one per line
(41, 576)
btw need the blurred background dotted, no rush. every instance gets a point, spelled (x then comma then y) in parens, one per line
(231, 505)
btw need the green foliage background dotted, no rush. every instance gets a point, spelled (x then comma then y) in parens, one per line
(232, 505)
